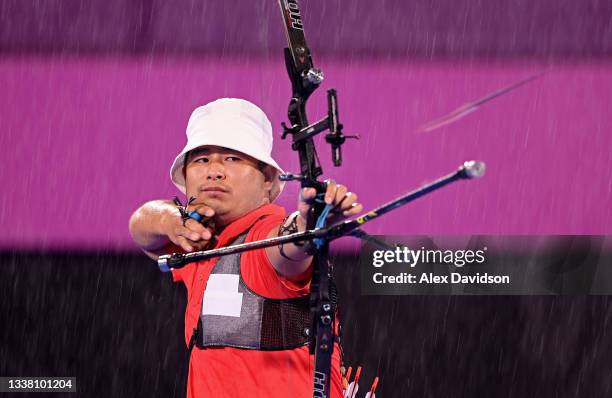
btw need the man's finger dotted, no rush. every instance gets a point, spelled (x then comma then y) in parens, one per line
(355, 209)
(183, 243)
(190, 245)
(340, 196)
(186, 233)
(307, 195)
(194, 226)
(330, 192)
(200, 233)
(345, 202)
(201, 245)
(203, 210)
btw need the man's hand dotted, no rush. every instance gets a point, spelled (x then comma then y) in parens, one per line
(190, 235)
(345, 203)
(159, 222)
(293, 262)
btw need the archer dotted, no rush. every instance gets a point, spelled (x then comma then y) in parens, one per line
(243, 340)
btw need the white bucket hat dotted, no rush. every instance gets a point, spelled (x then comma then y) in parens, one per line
(230, 123)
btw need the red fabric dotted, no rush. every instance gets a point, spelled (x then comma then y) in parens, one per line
(232, 372)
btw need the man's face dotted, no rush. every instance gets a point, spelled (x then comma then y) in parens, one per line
(230, 182)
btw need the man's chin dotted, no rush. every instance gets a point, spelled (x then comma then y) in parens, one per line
(214, 195)
(215, 202)
(222, 215)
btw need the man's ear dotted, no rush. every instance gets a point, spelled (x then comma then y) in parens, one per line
(185, 159)
(269, 173)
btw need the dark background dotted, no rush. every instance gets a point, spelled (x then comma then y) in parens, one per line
(113, 321)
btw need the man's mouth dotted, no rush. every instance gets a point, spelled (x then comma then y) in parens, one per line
(214, 188)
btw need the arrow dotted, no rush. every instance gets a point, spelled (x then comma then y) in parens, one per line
(470, 107)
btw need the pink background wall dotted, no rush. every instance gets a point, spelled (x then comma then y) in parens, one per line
(87, 139)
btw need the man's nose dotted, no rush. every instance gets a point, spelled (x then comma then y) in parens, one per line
(216, 171)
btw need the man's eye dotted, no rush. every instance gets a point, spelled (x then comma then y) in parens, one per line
(233, 158)
(201, 160)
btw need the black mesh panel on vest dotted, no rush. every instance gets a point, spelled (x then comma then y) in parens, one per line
(294, 313)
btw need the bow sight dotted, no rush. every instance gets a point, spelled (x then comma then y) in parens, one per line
(305, 79)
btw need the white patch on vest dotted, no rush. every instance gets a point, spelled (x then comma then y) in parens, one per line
(221, 296)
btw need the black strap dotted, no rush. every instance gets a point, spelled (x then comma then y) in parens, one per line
(194, 338)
